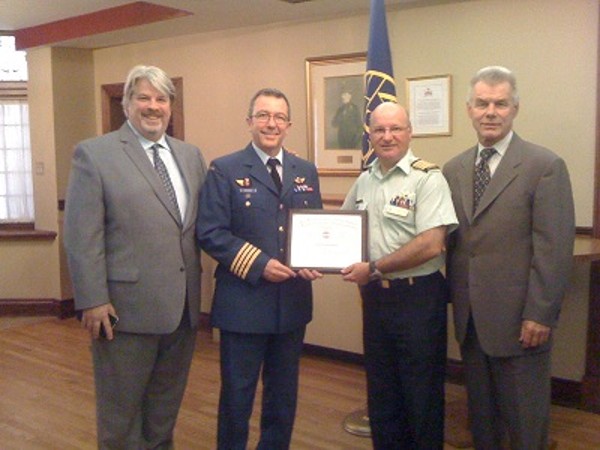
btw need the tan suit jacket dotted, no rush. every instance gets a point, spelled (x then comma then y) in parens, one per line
(511, 259)
(125, 243)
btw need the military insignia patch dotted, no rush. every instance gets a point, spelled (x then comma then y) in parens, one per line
(424, 166)
(243, 182)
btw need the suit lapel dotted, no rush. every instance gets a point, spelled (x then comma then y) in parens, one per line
(289, 174)
(184, 169)
(465, 180)
(503, 176)
(136, 153)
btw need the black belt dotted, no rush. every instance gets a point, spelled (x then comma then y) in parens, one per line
(402, 282)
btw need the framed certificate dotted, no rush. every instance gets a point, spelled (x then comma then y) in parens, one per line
(429, 104)
(326, 240)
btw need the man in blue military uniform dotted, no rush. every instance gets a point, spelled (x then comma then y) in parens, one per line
(404, 294)
(261, 306)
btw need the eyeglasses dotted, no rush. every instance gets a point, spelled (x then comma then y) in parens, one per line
(264, 117)
(394, 131)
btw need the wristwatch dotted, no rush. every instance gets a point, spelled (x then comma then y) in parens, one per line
(374, 272)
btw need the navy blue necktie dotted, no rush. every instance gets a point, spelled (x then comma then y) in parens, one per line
(273, 163)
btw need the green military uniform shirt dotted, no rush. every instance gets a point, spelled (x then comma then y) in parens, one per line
(412, 197)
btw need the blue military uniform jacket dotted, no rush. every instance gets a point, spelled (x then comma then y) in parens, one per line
(242, 223)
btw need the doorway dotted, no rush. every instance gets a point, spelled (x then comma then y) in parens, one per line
(112, 109)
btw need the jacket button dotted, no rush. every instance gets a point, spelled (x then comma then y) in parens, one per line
(182, 269)
(280, 229)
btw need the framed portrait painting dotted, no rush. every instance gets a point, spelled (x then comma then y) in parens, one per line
(335, 108)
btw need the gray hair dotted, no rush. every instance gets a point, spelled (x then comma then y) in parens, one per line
(493, 75)
(269, 92)
(154, 75)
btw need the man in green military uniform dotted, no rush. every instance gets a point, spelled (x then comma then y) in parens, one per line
(404, 294)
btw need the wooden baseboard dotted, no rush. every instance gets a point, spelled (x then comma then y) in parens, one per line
(331, 353)
(36, 307)
(591, 393)
(62, 309)
(564, 392)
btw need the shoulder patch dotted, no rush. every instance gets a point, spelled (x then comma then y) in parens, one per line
(424, 166)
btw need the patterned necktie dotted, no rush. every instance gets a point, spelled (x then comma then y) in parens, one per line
(482, 175)
(163, 174)
(273, 163)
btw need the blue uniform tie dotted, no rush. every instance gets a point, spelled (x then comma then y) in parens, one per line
(273, 163)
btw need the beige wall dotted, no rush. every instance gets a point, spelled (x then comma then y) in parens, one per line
(61, 108)
(31, 269)
(550, 44)
(73, 89)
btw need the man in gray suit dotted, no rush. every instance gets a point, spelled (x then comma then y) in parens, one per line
(508, 266)
(130, 239)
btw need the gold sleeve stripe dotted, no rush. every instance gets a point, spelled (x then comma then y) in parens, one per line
(249, 261)
(237, 260)
(242, 264)
(243, 260)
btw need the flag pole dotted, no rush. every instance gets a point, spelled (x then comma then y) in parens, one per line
(379, 87)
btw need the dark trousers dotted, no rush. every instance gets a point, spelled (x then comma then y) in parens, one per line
(404, 333)
(509, 398)
(242, 357)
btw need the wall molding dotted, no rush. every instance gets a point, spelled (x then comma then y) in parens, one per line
(37, 307)
(564, 392)
(63, 309)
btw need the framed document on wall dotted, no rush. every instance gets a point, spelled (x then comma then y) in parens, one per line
(429, 105)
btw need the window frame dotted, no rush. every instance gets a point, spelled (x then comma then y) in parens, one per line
(16, 90)
(11, 231)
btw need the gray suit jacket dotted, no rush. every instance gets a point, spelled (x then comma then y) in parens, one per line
(125, 243)
(511, 259)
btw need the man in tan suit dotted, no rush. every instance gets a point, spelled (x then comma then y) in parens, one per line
(508, 266)
(130, 238)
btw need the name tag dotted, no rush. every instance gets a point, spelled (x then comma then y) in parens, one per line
(397, 211)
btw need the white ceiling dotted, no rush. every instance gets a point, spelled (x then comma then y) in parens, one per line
(208, 15)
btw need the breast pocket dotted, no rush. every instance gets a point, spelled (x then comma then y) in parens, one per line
(249, 213)
(305, 200)
(402, 219)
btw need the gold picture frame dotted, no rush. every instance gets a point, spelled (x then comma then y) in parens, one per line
(429, 105)
(335, 112)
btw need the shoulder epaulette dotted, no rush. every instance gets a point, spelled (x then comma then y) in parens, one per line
(425, 166)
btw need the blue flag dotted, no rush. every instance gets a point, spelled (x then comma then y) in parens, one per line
(379, 77)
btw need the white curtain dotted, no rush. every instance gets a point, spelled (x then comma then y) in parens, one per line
(16, 184)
